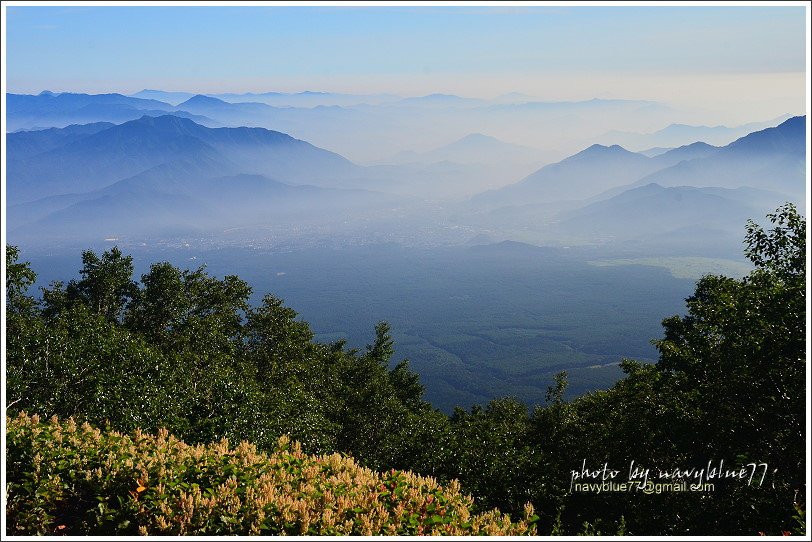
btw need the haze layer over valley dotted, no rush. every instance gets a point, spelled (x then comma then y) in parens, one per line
(494, 258)
(513, 205)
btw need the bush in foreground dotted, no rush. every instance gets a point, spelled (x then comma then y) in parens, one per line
(65, 478)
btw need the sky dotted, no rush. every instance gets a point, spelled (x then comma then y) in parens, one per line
(756, 54)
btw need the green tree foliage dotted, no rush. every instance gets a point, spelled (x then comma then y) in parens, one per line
(106, 285)
(82, 365)
(21, 324)
(19, 278)
(729, 385)
(739, 358)
(491, 452)
(184, 350)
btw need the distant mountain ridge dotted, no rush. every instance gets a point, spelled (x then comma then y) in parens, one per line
(174, 202)
(307, 98)
(652, 209)
(201, 100)
(120, 151)
(26, 111)
(150, 148)
(381, 125)
(24, 144)
(440, 100)
(169, 174)
(675, 135)
(699, 149)
(772, 159)
(593, 170)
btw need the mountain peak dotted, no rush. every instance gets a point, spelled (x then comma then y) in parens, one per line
(789, 136)
(165, 120)
(696, 145)
(200, 99)
(165, 123)
(602, 150)
(794, 122)
(698, 149)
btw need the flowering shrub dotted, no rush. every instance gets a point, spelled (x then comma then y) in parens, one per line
(65, 478)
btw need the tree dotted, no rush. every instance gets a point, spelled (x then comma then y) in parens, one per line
(19, 277)
(740, 356)
(729, 384)
(383, 348)
(294, 374)
(21, 323)
(491, 453)
(106, 286)
(173, 302)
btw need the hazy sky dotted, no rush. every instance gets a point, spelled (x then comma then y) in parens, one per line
(705, 54)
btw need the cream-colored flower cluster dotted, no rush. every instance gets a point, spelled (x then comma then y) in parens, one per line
(158, 485)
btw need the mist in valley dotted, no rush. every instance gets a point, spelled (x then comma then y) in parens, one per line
(499, 260)
(508, 225)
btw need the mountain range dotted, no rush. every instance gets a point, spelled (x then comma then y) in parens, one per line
(277, 99)
(166, 201)
(675, 135)
(94, 160)
(692, 200)
(25, 111)
(175, 169)
(771, 159)
(381, 125)
(160, 173)
(651, 210)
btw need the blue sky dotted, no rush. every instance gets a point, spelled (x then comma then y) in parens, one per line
(407, 50)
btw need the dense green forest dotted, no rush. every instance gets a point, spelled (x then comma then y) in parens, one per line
(185, 351)
(476, 322)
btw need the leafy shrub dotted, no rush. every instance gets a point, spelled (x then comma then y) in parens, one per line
(65, 478)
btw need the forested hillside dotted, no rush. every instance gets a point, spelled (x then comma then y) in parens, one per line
(183, 351)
